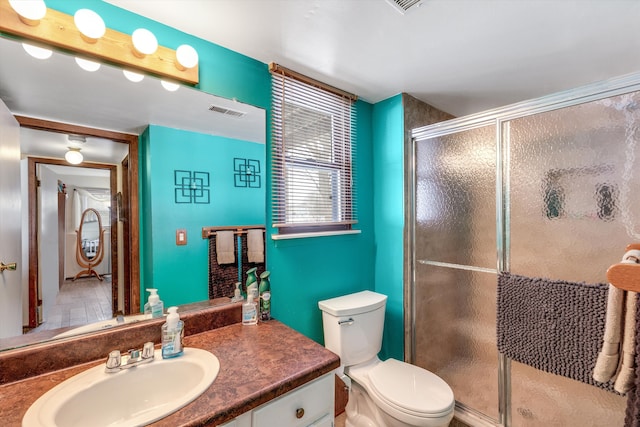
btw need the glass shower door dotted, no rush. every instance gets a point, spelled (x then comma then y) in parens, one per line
(546, 193)
(572, 213)
(455, 269)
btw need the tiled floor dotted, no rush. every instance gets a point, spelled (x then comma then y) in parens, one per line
(79, 302)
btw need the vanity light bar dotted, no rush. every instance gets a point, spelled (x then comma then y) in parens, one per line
(58, 29)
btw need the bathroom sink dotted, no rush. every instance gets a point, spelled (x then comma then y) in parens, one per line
(130, 397)
(105, 324)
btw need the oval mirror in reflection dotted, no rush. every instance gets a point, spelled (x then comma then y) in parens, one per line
(90, 243)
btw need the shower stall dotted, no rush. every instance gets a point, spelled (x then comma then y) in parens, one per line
(543, 188)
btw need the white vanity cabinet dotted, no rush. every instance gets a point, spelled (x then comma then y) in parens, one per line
(311, 405)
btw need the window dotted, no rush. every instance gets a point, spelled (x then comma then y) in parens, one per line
(313, 129)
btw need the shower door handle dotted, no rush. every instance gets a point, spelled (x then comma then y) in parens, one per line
(348, 321)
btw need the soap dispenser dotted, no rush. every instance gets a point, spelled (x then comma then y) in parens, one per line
(249, 311)
(172, 333)
(237, 293)
(154, 306)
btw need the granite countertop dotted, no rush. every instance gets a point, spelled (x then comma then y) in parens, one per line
(257, 364)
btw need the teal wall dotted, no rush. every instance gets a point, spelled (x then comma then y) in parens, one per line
(303, 270)
(388, 205)
(180, 272)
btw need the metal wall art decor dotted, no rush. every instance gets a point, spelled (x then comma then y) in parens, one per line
(191, 187)
(246, 173)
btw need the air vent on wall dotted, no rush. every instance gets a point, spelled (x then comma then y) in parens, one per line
(226, 111)
(403, 6)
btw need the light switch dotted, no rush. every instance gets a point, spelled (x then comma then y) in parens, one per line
(181, 237)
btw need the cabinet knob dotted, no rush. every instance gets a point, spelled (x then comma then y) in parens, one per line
(299, 413)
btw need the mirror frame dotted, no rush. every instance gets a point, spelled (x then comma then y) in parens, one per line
(131, 224)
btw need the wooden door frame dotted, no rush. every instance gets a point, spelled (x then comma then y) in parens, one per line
(33, 163)
(130, 224)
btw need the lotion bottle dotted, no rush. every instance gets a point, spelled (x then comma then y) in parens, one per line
(172, 333)
(154, 306)
(249, 311)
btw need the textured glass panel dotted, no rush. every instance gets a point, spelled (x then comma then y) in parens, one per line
(455, 198)
(571, 178)
(542, 399)
(456, 333)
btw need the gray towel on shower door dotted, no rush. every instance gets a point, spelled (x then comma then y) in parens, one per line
(552, 325)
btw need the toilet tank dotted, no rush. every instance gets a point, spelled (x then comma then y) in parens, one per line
(353, 326)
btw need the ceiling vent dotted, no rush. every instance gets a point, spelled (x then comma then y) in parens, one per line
(226, 111)
(403, 6)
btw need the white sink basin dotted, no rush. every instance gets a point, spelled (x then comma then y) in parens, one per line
(130, 397)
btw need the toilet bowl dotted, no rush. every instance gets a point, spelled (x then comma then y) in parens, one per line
(404, 394)
(387, 393)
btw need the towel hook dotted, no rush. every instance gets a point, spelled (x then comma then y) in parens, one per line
(626, 275)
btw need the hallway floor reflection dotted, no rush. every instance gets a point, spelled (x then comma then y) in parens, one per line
(79, 302)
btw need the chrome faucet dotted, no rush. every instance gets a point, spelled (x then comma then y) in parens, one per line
(116, 362)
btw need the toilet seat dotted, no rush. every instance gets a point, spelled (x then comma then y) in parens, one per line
(406, 389)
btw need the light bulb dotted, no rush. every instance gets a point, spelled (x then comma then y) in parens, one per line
(73, 156)
(187, 56)
(30, 11)
(131, 76)
(170, 86)
(90, 25)
(87, 65)
(37, 52)
(144, 42)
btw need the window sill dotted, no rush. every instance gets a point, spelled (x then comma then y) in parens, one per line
(318, 234)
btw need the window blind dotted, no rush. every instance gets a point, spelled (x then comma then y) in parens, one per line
(313, 172)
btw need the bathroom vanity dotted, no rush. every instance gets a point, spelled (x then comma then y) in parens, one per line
(269, 375)
(310, 405)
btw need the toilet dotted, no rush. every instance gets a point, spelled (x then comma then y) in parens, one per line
(386, 393)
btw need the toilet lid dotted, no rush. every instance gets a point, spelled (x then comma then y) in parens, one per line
(410, 387)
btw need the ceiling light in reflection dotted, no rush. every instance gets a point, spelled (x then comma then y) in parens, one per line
(170, 86)
(74, 156)
(37, 52)
(133, 77)
(87, 65)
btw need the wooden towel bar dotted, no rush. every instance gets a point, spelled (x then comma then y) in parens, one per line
(626, 276)
(238, 229)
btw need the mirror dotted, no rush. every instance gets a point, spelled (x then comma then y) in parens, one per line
(90, 243)
(57, 90)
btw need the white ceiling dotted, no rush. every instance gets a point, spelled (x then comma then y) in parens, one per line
(462, 56)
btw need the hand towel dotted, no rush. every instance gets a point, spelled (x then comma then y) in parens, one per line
(225, 247)
(615, 363)
(626, 374)
(255, 246)
(607, 362)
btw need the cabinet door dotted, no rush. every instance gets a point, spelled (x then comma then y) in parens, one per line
(301, 407)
